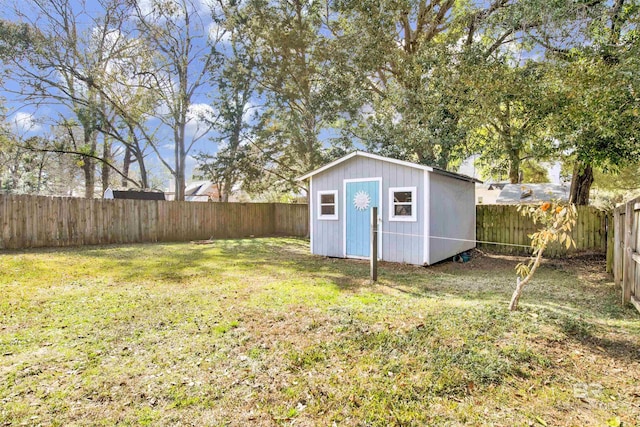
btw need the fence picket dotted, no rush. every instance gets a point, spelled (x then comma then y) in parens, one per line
(504, 224)
(30, 221)
(39, 221)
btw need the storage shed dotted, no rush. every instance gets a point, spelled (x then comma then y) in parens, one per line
(425, 214)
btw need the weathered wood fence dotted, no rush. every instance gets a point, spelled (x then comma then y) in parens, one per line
(626, 255)
(35, 221)
(504, 224)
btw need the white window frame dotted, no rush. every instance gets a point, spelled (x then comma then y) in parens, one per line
(333, 217)
(414, 204)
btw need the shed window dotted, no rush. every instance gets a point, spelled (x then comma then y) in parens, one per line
(328, 204)
(402, 204)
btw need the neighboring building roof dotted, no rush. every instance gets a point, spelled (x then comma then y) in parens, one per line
(201, 191)
(389, 160)
(133, 195)
(198, 188)
(532, 193)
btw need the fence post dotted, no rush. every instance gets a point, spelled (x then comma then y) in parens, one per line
(617, 240)
(629, 265)
(374, 244)
(608, 246)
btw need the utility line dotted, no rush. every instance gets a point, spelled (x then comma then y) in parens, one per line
(459, 240)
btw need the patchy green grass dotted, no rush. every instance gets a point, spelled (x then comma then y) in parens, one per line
(259, 332)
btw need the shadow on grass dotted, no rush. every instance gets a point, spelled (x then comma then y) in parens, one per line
(435, 354)
(586, 334)
(574, 297)
(561, 287)
(446, 354)
(485, 277)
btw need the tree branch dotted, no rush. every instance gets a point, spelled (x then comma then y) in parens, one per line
(79, 153)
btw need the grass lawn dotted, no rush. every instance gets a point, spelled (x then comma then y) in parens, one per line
(259, 332)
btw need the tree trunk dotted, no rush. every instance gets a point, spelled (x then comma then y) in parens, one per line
(180, 177)
(126, 164)
(231, 173)
(225, 188)
(181, 181)
(88, 168)
(514, 168)
(142, 168)
(181, 157)
(180, 186)
(41, 165)
(14, 178)
(106, 170)
(515, 298)
(514, 160)
(581, 184)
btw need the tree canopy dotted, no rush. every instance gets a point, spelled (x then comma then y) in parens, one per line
(258, 92)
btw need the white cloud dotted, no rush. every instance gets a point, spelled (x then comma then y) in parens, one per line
(146, 6)
(217, 33)
(367, 111)
(397, 118)
(250, 109)
(24, 123)
(161, 9)
(190, 162)
(201, 113)
(162, 109)
(105, 39)
(200, 118)
(209, 6)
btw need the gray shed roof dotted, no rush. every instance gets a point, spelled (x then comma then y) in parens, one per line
(390, 160)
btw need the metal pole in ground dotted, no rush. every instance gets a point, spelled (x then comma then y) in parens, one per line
(374, 244)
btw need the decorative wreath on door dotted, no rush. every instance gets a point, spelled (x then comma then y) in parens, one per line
(361, 200)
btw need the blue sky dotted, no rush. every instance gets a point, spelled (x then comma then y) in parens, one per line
(27, 119)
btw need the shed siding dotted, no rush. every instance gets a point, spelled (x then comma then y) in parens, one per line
(452, 215)
(329, 235)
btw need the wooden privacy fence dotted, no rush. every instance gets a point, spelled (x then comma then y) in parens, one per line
(36, 221)
(504, 224)
(626, 243)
